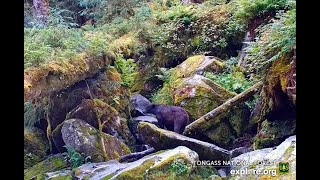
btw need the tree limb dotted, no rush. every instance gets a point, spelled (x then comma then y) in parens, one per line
(207, 120)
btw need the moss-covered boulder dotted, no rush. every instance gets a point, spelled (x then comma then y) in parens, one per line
(134, 122)
(191, 66)
(52, 163)
(162, 139)
(86, 139)
(273, 133)
(59, 175)
(36, 146)
(277, 97)
(91, 109)
(283, 153)
(176, 163)
(199, 95)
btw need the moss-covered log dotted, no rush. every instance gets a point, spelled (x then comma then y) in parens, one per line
(55, 76)
(205, 121)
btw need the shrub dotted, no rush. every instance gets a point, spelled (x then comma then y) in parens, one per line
(75, 158)
(275, 40)
(178, 167)
(248, 9)
(235, 81)
(127, 68)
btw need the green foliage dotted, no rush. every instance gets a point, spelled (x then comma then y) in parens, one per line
(235, 81)
(62, 18)
(189, 30)
(127, 68)
(179, 167)
(32, 114)
(51, 43)
(60, 43)
(75, 158)
(248, 9)
(275, 40)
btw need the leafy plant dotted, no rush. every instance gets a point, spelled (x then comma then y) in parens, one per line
(179, 167)
(127, 68)
(275, 40)
(235, 81)
(75, 158)
(248, 9)
(32, 114)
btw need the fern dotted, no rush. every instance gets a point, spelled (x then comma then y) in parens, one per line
(127, 69)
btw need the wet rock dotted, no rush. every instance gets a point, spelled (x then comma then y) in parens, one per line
(59, 175)
(139, 104)
(176, 163)
(85, 139)
(36, 146)
(285, 152)
(133, 124)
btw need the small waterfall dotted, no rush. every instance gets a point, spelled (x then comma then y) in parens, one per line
(242, 53)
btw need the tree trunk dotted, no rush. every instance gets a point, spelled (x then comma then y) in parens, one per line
(41, 11)
(205, 121)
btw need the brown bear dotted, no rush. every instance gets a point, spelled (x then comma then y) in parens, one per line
(174, 118)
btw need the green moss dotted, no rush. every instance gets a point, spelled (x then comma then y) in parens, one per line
(65, 177)
(136, 173)
(109, 176)
(53, 163)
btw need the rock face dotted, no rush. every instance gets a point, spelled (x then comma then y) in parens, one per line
(139, 104)
(273, 133)
(90, 109)
(85, 139)
(198, 95)
(285, 152)
(52, 163)
(135, 121)
(58, 175)
(36, 146)
(162, 139)
(175, 164)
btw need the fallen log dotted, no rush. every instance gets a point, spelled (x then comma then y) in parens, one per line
(161, 139)
(205, 121)
(57, 75)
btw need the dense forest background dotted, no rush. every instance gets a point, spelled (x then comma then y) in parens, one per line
(86, 58)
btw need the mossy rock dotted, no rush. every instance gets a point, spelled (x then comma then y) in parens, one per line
(273, 133)
(91, 109)
(52, 163)
(171, 164)
(85, 139)
(59, 175)
(36, 146)
(163, 139)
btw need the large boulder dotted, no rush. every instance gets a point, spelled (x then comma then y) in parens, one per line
(199, 95)
(59, 175)
(138, 104)
(36, 146)
(272, 133)
(133, 124)
(91, 109)
(85, 139)
(177, 163)
(272, 157)
(162, 139)
(52, 163)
